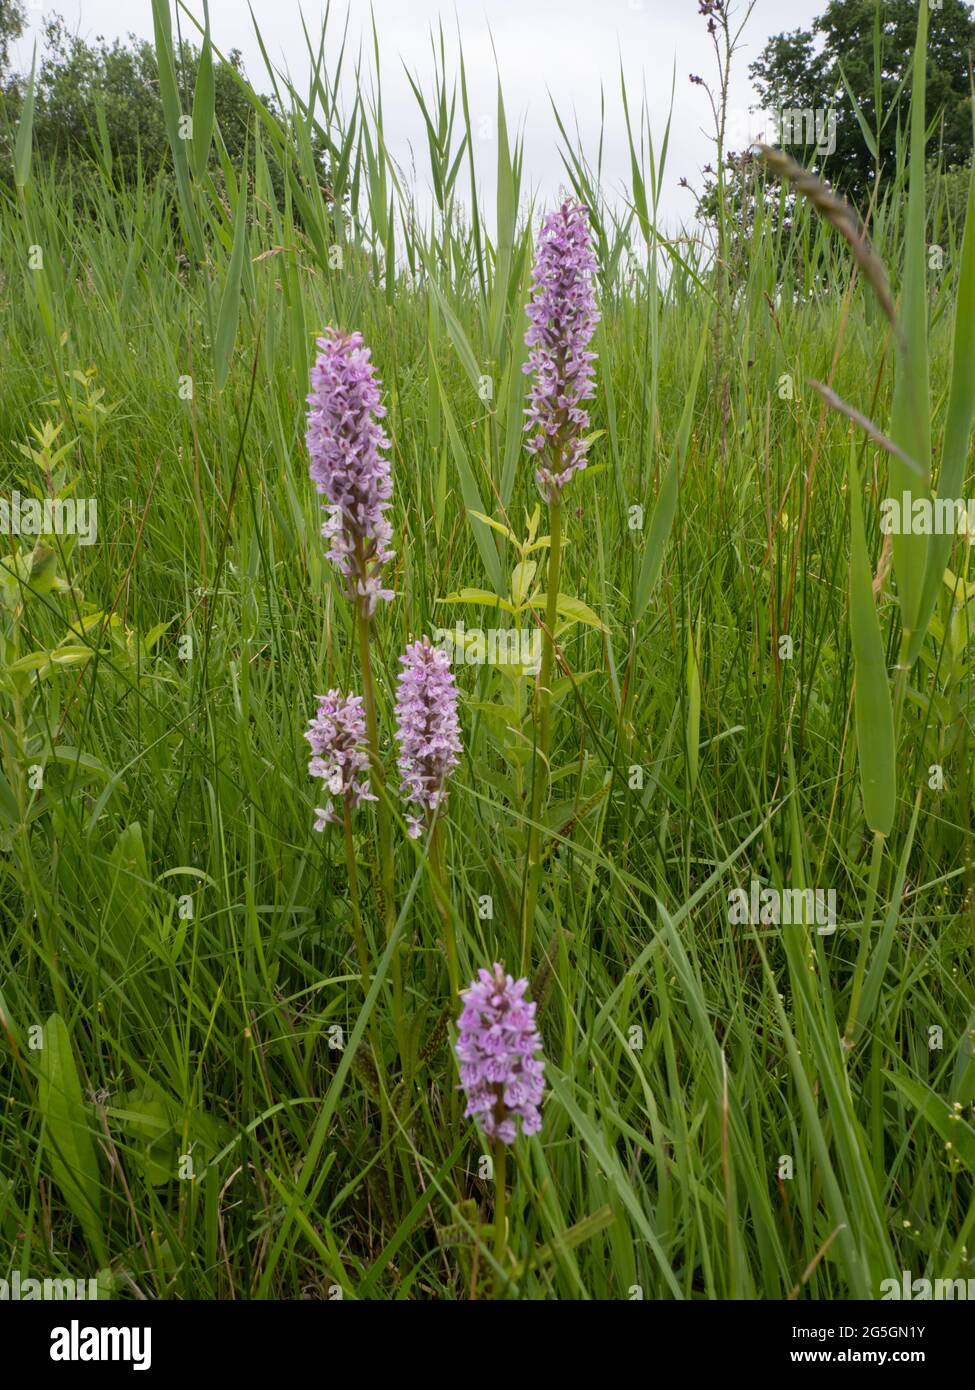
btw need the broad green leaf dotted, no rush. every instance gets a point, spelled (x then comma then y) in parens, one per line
(153, 635)
(71, 656)
(169, 95)
(105, 139)
(129, 887)
(479, 596)
(495, 525)
(68, 1127)
(227, 319)
(150, 1123)
(910, 426)
(78, 759)
(572, 608)
(959, 419)
(507, 186)
(457, 335)
(516, 385)
(41, 662)
(204, 105)
(25, 132)
(522, 577)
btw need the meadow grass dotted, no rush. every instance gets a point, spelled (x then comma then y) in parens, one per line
(192, 1104)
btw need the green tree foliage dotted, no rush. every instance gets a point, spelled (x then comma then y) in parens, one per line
(869, 43)
(89, 91)
(12, 21)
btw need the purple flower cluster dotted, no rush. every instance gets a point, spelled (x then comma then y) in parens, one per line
(344, 440)
(337, 735)
(427, 728)
(496, 1048)
(563, 317)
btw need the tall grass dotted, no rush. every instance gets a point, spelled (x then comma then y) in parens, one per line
(191, 1104)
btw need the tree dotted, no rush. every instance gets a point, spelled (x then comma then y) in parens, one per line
(87, 93)
(12, 22)
(870, 43)
(80, 85)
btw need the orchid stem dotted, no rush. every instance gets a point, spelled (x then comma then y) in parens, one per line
(543, 697)
(500, 1216)
(384, 829)
(351, 868)
(443, 907)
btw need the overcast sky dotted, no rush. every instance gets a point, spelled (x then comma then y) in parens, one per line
(563, 47)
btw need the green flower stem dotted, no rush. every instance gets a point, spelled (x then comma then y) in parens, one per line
(500, 1217)
(543, 699)
(358, 935)
(384, 828)
(437, 866)
(362, 951)
(443, 907)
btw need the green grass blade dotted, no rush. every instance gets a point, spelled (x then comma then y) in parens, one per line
(874, 708)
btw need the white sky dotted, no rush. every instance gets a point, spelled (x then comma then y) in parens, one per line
(563, 47)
